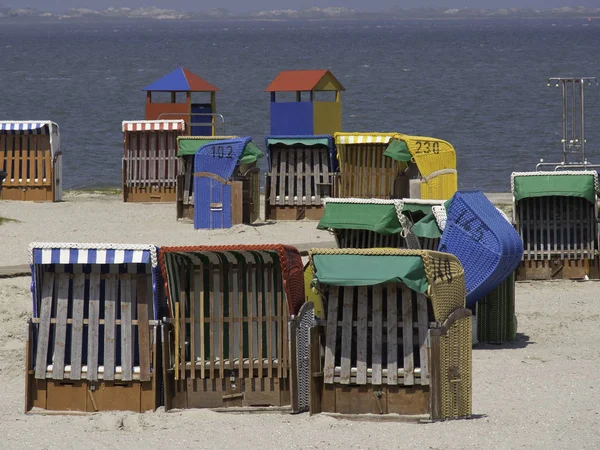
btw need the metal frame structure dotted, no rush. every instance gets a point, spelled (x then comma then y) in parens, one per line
(573, 123)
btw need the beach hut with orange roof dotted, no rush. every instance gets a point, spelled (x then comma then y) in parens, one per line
(316, 107)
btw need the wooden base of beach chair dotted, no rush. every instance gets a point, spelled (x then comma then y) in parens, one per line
(86, 396)
(230, 392)
(309, 212)
(149, 194)
(558, 269)
(355, 399)
(27, 193)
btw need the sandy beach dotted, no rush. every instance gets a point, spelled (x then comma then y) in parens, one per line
(540, 391)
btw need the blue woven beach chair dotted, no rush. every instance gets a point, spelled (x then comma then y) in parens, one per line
(487, 245)
(214, 165)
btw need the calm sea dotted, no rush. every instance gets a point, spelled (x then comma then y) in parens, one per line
(480, 85)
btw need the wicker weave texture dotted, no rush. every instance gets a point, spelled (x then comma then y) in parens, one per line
(431, 156)
(496, 321)
(442, 186)
(456, 375)
(487, 245)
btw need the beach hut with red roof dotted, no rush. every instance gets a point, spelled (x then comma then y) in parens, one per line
(316, 107)
(200, 118)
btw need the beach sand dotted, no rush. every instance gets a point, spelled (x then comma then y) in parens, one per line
(540, 391)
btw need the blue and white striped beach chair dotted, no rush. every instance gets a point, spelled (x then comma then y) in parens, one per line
(93, 333)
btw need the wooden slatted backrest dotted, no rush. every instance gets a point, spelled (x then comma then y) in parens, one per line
(376, 335)
(371, 239)
(27, 159)
(230, 316)
(151, 157)
(94, 325)
(368, 239)
(366, 173)
(557, 225)
(299, 175)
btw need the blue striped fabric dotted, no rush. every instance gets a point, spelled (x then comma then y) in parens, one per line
(25, 127)
(89, 256)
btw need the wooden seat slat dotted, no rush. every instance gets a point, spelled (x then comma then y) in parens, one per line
(143, 328)
(392, 334)
(77, 326)
(93, 326)
(361, 335)
(407, 335)
(60, 330)
(331, 337)
(347, 332)
(377, 334)
(43, 334)
(127, 307)
(110, 326)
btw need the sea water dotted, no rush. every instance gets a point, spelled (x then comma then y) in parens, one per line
(479, 84)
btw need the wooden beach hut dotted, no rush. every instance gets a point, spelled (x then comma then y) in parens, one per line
(314, 108)
(201, 118)
(220, 176)
(556, 214)
(226, 340)
(30, 156)
(150, 163)
(92, 338)
(300, 176)
(396, 338)
(394, 165)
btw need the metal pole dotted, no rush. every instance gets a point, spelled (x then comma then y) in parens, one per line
(573, 116)
(564, 119)
(581, 128)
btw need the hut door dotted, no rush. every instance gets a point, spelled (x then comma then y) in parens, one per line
(201, 123)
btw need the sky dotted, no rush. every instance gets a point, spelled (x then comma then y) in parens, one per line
(253, 5)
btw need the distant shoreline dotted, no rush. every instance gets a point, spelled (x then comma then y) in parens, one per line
(27, 19)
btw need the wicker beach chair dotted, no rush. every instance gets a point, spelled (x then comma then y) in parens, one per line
(555, 214)
(226, 340)
(374, 165)
(371, 223)
(31, 158)
(220, 199)
(300, 176)
(150, 162)
(397, 335)
(494, 321)
(92, 338)
(483, 240)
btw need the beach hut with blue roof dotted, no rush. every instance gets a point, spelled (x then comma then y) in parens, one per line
(200, 118)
